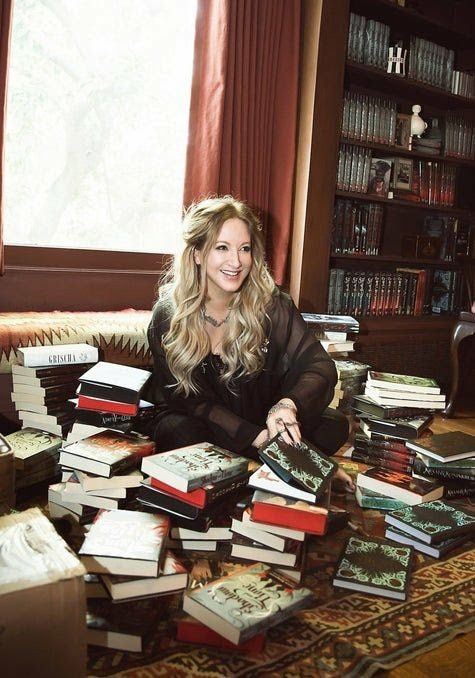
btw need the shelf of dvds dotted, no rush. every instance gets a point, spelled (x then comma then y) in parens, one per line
(362, 233)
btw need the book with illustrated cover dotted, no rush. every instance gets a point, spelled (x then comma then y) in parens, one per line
(443, 473)
(403, 382)
(243, 604)
(173, 576)
(433, 521)
(265, 479)
(300, 463)
(337, 323)
(446, 447)
(58, 354)
(374, 566)
(406, 428)
(399, 486)
(113, 382)
(106, 453)
(374, 500)
(190, 467)
(30, 444)
(274, 509)
(364, 405)
(125, 542)
(435, 550)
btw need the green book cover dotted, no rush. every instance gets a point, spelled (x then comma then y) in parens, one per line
(373, 565)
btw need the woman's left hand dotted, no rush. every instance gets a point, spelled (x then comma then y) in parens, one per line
(282, 418)
(343, 477)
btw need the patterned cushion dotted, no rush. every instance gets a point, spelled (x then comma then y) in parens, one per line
(121, 335)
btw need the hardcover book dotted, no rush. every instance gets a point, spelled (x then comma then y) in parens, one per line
(189, 630)
(402, 382)
(374, 566)
(173, 576)
(105, 453)
(90, 483)
(202, 496)
(374, 500)
(407, 428)
(243, 547)
(300, 463)
(114, 406)
(399, 486)
(30, 444)
(285, 532)
(59, 354)
(241, 605)
(114, 382)
(265, 479)
(433, 521)
(445, 447)
(364, 405)
(285, 512)
(404, 399)
(435, 550)
(66, 372)
(336, 323)
(251, 531)
(125, 542)
(190, 467)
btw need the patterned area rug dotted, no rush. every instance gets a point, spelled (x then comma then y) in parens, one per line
(344, 634)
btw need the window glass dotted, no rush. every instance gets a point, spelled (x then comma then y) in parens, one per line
(97, 123)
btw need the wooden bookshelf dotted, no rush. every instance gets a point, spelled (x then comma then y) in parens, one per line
(326, 74)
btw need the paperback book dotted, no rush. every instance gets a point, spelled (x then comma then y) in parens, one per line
(433, 521)
(301, 464)
(374, 566)
(190, 467)
(364, 405)
(245, 548)
(241, 605)
(405, 399)
(406, 428)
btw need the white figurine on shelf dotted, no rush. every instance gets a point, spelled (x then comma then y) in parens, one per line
(418, 125)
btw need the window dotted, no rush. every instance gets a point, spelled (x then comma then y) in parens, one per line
(97, 123)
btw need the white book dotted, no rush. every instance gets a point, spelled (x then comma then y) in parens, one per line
(192, 544)
(32, 422)
(265, 479)
(288, 532)
(91, 483)
(190, 467)
(81, 431)
(375, 394)
(125, 542)
(273, 541)
(59, 354)
(337, 346)
(37, 407)
(55, 496)
(71, 492)
(263, 554)
(404, 395)
(216, 533)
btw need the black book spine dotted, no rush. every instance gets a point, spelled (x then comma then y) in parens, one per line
(166, 501)
(437, 472)
(116, 393)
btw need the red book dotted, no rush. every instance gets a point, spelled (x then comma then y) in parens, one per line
(88, 403)
(275, 509)
(189, 630)
(201, 496)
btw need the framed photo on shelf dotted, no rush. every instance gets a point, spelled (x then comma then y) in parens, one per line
(403, 130)
(402, 174)
(380, 176)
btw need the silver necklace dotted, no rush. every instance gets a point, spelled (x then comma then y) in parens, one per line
(211, 320)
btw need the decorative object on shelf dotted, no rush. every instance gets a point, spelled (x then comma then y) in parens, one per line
(421, 247)
(397, 60)
(418, 125)
(431, 141)
(403, 130)
(402, 175)
(379, 176)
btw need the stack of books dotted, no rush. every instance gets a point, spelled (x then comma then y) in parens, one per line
(448, 458)
(109, 397)
(335, 332)
(434, 528)
(195, 485)
(98, 472)
(44, 381)
(36, 456)
(290, 501)
(394, 485)
(351, 379)
(404, 391)
(127, 550)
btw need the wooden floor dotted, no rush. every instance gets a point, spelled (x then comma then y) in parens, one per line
(456, 658)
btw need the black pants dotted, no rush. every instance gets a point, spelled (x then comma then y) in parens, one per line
(329, 432)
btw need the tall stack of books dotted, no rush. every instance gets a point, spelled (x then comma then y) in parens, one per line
(434, 528)
(335, 332)
(290, 501)
(448, 458)
(44, 380)
(195, 485)
(99, 472)
(109, 397)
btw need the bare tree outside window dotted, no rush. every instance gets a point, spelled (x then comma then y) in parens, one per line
(97, 123)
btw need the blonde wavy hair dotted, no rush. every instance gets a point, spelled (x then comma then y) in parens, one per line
(187, 344)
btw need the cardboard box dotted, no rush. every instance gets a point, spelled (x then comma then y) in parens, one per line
(42, 601)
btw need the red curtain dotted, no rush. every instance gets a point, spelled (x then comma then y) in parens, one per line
(5, 26)
(243, 112)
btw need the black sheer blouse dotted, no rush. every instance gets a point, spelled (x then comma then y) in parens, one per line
(296, 367)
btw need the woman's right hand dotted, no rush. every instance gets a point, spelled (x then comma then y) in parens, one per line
(282, 419)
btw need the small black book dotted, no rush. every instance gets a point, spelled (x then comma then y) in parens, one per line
(300, 463)
(372, 565)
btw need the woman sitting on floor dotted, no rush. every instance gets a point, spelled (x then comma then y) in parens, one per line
(234, 363)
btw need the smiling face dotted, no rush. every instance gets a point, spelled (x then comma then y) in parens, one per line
(229, 260)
